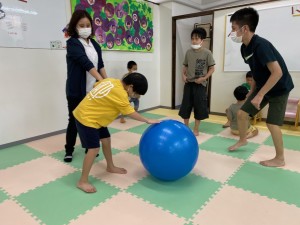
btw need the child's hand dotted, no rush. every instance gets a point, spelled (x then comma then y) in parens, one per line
(184, 79)
(199, 80)
(256, 101)
(153, 121)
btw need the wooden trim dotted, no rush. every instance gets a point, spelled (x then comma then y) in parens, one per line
(173, 63)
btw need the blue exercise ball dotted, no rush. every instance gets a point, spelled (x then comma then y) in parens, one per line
(168, 150)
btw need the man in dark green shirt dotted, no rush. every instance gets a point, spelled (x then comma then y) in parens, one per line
(271, 81)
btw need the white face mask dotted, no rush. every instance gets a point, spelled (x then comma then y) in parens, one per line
(84, 32)
(196, 46)
(235, 38)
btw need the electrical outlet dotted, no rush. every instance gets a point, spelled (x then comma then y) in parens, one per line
(59, 45)
(56, 45)
(53, 44)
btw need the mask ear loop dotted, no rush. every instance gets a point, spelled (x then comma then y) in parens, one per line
(242, 28)
(234, 31)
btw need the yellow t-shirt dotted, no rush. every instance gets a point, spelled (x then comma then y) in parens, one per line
(103, 104)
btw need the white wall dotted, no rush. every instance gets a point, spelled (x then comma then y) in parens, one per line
(32, 93)
(167, 10)
(184, 28)
(165, 54)
(178, 9)
(32, 90)
(227, 81)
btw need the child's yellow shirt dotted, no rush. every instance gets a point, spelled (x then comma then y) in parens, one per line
(103, 104)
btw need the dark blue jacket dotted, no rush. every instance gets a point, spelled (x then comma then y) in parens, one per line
(77, 66)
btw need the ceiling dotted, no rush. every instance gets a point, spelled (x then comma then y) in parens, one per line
(206, 4)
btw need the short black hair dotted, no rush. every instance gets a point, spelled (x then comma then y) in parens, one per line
(130, 64)
(246, 16)
(76, 16)
(240, 93)
(199, 32)
(249, 74)
(139, 82)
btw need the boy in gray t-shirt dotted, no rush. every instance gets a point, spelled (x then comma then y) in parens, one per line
(240, 94)
(198, 66)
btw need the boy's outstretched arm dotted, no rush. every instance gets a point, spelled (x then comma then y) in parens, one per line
(137, 116)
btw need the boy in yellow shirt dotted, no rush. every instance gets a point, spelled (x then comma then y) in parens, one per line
(97, 110)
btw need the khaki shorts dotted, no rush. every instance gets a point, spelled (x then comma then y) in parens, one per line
(276, 111)
(250, 130)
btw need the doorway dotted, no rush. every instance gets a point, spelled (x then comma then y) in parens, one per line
(182, 27)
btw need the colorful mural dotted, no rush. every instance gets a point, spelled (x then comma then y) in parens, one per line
(120, 24)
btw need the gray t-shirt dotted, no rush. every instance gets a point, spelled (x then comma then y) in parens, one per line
(197, 63)
(232, 115)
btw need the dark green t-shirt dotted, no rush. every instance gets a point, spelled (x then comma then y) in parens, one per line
(257, 54)
(247, 86)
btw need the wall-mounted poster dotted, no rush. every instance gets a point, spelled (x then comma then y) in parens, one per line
(120, 24)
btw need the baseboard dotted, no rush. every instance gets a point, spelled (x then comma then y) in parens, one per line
(26, 140)
(19, 142)
(156, 107)
(217, 114)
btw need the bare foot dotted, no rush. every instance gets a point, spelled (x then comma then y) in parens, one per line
(226, 125)
(237, 145)
(86, 187)
(196, 133)
(252, 134)
(273, 163)
(116, 170)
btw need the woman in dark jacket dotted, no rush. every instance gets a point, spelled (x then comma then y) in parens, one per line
(84, 67)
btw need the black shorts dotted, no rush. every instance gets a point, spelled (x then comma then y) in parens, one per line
(276, 111)
(194, 97)
(89, 136)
